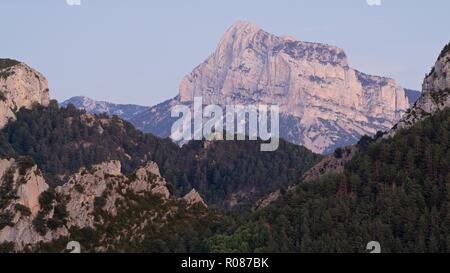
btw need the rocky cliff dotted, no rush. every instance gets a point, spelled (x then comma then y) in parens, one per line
(20, 189)
(20, 86)
(31, 213)
(324, 102)
(435, 93)
(193, 197)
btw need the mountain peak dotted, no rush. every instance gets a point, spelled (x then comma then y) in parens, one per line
(240, 32)
(312, 83)
(83, 102)
(244, 26)
(193, 197)
(247, 28)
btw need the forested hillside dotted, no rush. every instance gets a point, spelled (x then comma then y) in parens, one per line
(396, 191)
(232, 173)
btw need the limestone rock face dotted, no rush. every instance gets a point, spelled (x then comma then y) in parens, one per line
(27, 187)
(439, 78)
(29, 192)
(193, 197)
(435, 94)
(324, 103)
(20, 190)
(84, 187)
(332, 163)
(106, 181)
(101, 187)
(266, 201)
(20, 86)
(150, 173)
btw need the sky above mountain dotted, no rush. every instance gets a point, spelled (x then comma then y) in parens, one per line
(138, 51)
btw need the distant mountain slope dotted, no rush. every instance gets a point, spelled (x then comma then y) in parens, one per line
(125, 111)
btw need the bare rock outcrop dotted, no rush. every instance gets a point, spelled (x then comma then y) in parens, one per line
(435, 94)
(331, 164)
(193, 197)
(20, 189)
(20, 86)
(266, 201)
(106, 182)
(150, 173)
(101, 187)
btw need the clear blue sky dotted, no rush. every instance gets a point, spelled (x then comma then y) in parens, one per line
(137, 51)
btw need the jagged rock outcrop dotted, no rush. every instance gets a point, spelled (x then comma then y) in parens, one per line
(325, 103)
(269, 199)
(20, 86)
(333, 163)
(150, 173)
(435, 94)
(102, 187)
(107, 183)
(20, 189)
(193, 197)
(439, 77)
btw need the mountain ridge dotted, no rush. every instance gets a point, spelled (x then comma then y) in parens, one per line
(125, 111)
